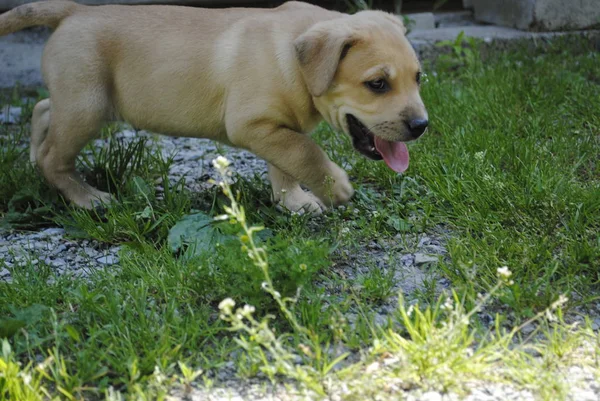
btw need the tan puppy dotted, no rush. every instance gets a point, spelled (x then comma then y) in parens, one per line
(259, 79)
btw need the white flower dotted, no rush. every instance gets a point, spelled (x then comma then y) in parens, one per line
(479, 156)
(226, 305)
(504, 272)
(562, 299)
(158, 375)
(221, 163)
(247, 310)
(26, 378)
(550, 316)
(221, 217)
(448, 305)
(372, 367)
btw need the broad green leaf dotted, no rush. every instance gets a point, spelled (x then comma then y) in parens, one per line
(198, 233)
(399, 224)
(30, 315)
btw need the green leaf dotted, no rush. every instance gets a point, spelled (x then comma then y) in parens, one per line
(141, 187)
(30, 315)
(73, 333)
(399, 224)
(196, 233)
(9, 327)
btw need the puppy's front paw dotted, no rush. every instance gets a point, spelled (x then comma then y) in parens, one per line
(302, 202)
(337, 188)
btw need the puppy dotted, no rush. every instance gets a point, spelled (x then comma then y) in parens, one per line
(258, 79)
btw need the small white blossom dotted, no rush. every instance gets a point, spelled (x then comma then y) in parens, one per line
(221, 217)
(504, 272)
(448, 305)
(479, 156)
(247, 310)
(226, 305)
(26, 378)
(221, 163)
(372, 367)
(550, 316)
(562, 299)
(158, 375)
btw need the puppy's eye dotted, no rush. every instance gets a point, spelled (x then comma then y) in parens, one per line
(378, 85)
(419, 78)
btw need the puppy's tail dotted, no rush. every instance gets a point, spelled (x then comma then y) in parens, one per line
(47, 13)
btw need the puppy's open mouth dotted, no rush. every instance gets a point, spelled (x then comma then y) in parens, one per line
(363, 140)
(395, 154)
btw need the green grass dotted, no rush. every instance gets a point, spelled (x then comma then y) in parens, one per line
(509, 170)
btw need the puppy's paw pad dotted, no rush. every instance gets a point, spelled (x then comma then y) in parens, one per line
(301, 203)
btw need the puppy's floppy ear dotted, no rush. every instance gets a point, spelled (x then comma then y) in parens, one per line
(319, 51)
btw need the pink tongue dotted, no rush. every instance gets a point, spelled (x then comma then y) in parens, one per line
(395, 154)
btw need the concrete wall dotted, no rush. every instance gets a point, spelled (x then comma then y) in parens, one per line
(539, 15)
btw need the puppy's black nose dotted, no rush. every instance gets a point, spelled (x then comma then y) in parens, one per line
(417, 126)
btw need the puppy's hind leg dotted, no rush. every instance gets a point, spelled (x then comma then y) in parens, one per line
(287, 192)
(40, 122)
(74, 123)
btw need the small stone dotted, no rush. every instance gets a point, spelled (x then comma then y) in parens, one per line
(424, 241)
(528, 329)
(108, 260)
(407, 260)
(596, 324)
(57, 263)
(421, 259)
(53, 231)
(59, 249)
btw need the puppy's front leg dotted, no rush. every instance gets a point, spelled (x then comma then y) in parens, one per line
(296, 155)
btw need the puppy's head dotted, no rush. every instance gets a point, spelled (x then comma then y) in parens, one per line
(364, 77)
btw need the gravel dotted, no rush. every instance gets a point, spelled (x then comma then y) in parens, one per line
(51, 247)
(10, 115)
